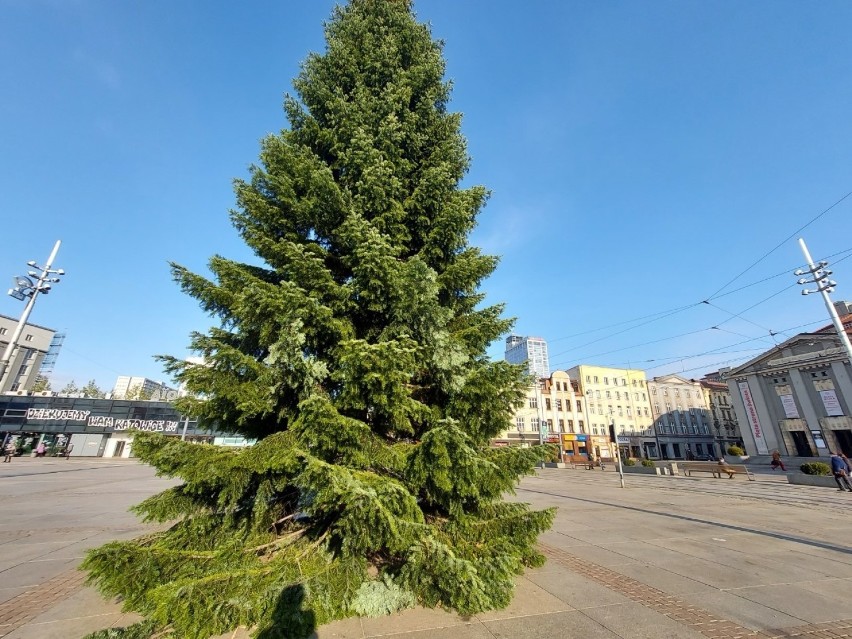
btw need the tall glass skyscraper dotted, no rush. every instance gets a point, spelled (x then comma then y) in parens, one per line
(531, 351)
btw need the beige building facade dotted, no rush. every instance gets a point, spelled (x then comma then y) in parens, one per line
(618, 396)
(681, 418)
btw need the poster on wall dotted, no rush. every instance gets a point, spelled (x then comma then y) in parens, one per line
(789, 404)
(831, 403)
(753, 420)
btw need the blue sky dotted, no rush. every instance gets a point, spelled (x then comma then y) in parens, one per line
(641, 156)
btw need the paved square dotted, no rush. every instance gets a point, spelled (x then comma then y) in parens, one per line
(665, 557)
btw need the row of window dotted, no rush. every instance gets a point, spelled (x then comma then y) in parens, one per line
(616, 381)
(676, 391)
(535, 425)
(27, 338)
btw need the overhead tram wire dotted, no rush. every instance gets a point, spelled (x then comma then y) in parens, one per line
(720, 349)
(667, 313)
(710, 352)
(770, 331)
(673, 311)
(779, 245)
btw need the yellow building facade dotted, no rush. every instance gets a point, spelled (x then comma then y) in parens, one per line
(619, 396)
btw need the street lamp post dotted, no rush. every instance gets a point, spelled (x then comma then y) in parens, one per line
(614, 436)
(26, 287)
(820, 274)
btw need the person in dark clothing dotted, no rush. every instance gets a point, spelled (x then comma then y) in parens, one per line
(841, 472)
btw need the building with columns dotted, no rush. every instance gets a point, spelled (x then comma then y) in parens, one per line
(797, 397)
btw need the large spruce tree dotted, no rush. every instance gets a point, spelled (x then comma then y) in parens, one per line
(354, 352)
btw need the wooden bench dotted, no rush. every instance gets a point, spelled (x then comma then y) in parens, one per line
(715, 469)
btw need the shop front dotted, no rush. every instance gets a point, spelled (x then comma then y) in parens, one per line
(575, 448)
(86, 427)
(602, 448)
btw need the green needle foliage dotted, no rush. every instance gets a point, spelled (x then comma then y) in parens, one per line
(355, 355)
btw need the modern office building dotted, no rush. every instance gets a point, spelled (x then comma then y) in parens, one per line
(140, 387)
(24, 365)
(531, 351)
(681, 418)
(618, 396)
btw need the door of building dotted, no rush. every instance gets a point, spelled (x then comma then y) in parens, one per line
(844, 441)
(800, 441)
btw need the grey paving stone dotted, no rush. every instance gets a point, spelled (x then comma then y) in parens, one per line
(529, 599)
(575, 590)
(639, 622)
(411, 620)
(663, 579)
(730, 605)
(802, 603)
(557, 625)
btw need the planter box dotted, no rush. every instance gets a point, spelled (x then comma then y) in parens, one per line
(802, 479)
(643, 470)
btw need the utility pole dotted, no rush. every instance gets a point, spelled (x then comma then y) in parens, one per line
(614, 439)
(820, 274)
(25, 287)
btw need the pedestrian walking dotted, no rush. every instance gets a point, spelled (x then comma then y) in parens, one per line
(68, 450)
(40, 449)
(776, 461)
(840, 470)
(9, 451)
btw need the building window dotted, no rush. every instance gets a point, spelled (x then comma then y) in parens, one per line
(547, 403)
(676, 392)
(571, 425)
(28, 338)
(579, 407)
(582, 427)
(533, 402)
(559, 404)
(23, 370)
(519, 423)
(608, 395)
(561, 425)
(588, 379)
(3, 331)
(654, 390)
(596, 379)
(535, 424)
(617, 395)
(634, 383)
(606, 380)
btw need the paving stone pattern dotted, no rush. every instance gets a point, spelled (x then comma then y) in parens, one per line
(683, 612)
(672, 558)
(25, 607)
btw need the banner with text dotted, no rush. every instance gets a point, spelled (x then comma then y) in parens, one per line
(753, 420)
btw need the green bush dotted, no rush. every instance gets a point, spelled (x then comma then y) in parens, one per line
(735, 450)
(27, 449)
(815, 468)
(647, 463)
(629, 462)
